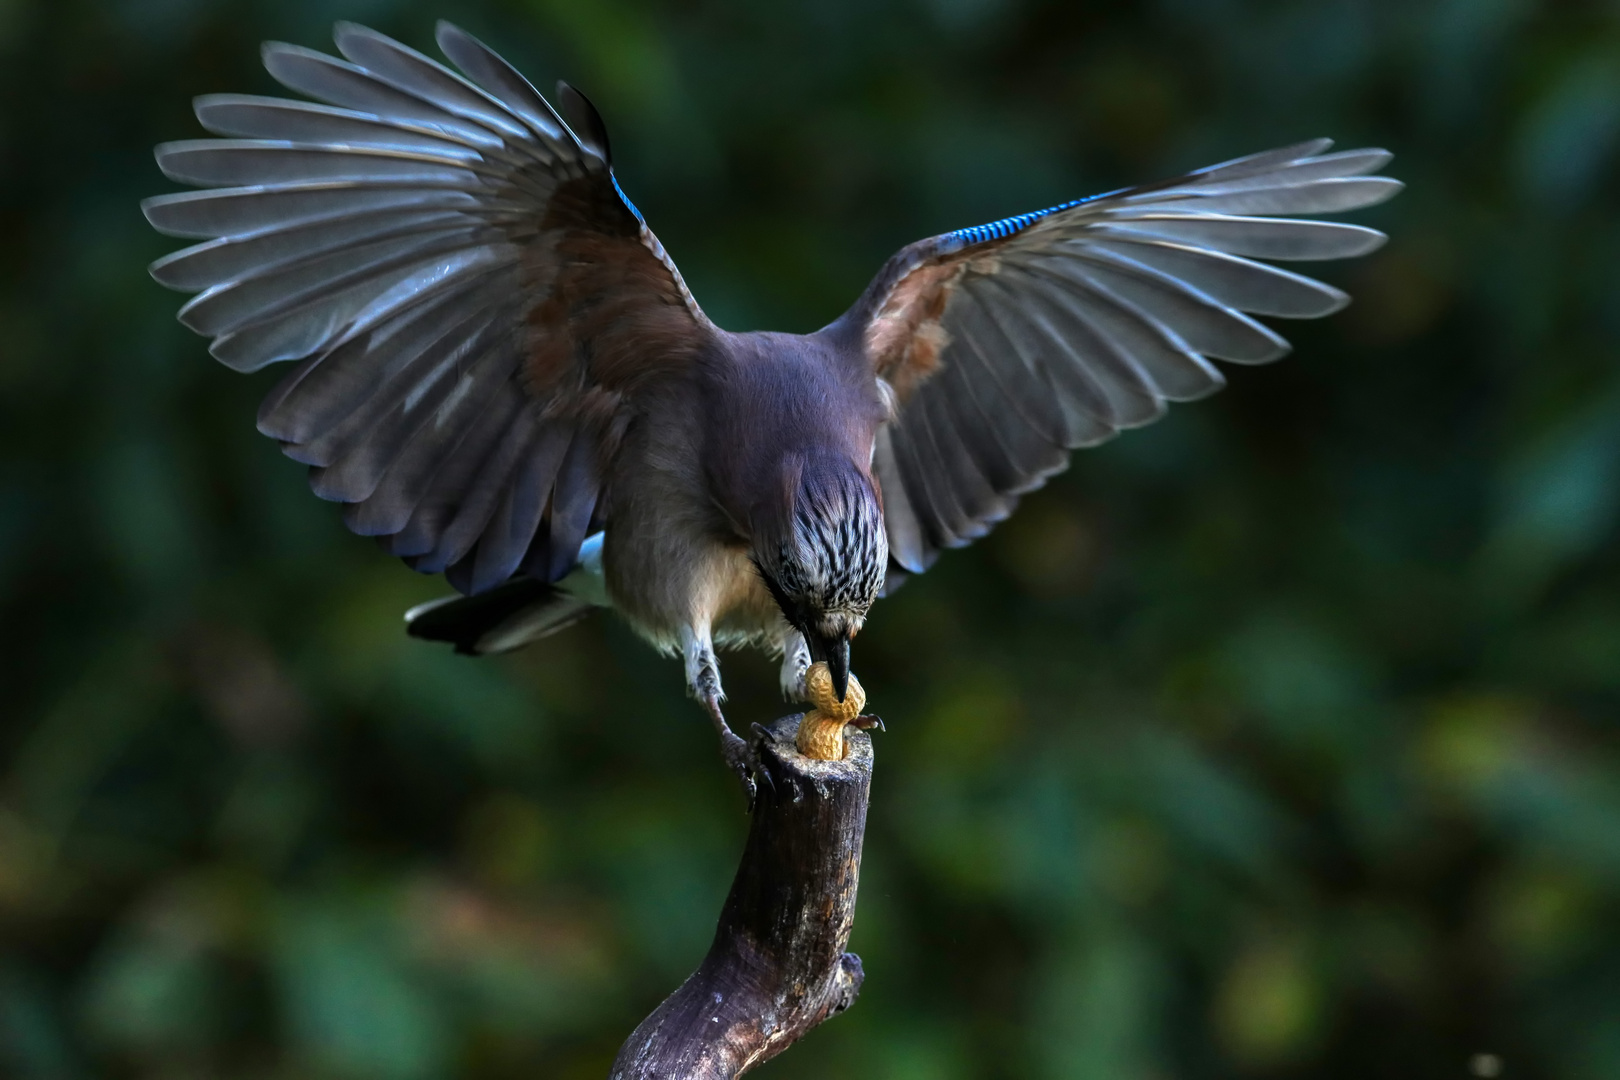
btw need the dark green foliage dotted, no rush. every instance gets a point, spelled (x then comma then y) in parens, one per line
(1277, 740)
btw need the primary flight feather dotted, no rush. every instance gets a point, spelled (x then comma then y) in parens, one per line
(500, 373)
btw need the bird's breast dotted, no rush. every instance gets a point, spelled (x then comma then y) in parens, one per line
(671, 558)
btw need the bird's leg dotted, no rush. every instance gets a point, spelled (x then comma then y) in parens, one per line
(795, 662)
(703, 682)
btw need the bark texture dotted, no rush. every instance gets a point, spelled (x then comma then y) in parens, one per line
(777, 967)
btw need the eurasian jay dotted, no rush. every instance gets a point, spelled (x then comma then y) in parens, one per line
(499, 372)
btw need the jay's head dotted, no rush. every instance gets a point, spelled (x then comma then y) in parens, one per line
(823, 552)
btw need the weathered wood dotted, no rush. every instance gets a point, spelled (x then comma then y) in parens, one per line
(777, 967)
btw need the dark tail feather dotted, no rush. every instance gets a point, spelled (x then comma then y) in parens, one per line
(499, 620)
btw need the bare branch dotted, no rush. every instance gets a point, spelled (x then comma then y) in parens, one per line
(777, 967)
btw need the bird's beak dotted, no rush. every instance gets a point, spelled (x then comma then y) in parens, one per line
(836, 650)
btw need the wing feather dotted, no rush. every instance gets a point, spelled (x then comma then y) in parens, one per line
(471, 301)
(461, 502)
(361, 465)
(1116, 391)
(251, 116)
(573, 502)
(1332, 196)
(346, 278)
(1012, 343)
(908, 547)
(236, 258)
(1233, 282)
(349, 86)
(388, 492)
(1253, 237)
(229, 162)
(244, 211)
(966, 482)
(1084, 411)
(1004, 452)
(1208, 326)
(293, 326)
(502, 80)
(1176, 370)
(409, 71)
(370, 371)
(503, 545)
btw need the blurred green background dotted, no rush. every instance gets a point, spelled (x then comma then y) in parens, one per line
(1277, 740)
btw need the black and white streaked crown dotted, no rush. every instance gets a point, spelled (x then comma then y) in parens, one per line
(829, 564)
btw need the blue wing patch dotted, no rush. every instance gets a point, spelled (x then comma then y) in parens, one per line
(999, 230)
(626, 199)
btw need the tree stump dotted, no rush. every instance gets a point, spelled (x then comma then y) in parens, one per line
(777, 967)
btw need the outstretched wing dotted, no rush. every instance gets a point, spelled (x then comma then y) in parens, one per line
(1010, 344)
(471, 299)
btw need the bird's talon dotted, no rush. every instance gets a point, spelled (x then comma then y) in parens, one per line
(868, 722)
(742, 761)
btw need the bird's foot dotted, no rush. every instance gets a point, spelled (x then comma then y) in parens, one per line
(703, 682)
(738, 755)
(762, 736)
(868, 722)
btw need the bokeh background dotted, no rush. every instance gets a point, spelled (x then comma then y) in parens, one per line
(1279, 740)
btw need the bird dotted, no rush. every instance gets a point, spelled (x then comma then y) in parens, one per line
(499, 372)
